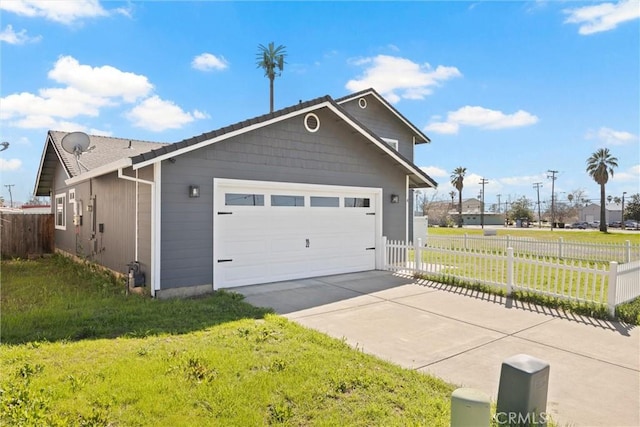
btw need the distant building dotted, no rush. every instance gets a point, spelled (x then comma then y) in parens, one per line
(591, 212)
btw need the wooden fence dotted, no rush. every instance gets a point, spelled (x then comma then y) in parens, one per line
(24, 235)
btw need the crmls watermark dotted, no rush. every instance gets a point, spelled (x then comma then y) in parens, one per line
(518, 419)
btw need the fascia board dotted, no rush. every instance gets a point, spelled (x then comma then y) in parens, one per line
(385, 147)
(386, 104)
(102, 170)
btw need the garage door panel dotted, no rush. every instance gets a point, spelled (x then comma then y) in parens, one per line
(273, 243)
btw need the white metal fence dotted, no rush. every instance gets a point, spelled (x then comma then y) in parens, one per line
(606, 283)
(621, 252)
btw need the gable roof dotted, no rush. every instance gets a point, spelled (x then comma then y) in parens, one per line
(112, 154)
(103, 150)
(417, 177)
(422, 137)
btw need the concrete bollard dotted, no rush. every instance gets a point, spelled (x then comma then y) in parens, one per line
(522, 393)
(470, 408)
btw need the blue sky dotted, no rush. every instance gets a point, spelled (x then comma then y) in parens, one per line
(508, 90)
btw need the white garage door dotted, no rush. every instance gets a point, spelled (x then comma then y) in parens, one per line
(268, 232)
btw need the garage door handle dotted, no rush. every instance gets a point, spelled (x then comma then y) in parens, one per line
(307, 243)
(370, 249)
(225, 260)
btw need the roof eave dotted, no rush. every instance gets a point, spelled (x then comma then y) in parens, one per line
(371, 91)
(99, 171)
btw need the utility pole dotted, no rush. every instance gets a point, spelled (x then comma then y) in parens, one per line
(483, 182)
(622, 215)
(537, 186)
(10, 196)
(553, 197)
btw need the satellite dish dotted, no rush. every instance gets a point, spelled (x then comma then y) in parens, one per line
(76, 143)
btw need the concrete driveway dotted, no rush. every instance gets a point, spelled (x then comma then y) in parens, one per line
(463, 336)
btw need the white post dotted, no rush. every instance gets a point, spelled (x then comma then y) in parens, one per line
(508, 241)
(613, 288)
(465, 241)
(383, 253)
(560, 251)
(509, 271)
(418, 255)
(627, 254)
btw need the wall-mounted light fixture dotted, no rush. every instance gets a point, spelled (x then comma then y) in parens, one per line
(194, 191)
(395, 198)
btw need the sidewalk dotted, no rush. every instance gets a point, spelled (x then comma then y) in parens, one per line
(463, 336)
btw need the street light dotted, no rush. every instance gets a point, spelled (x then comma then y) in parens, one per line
(622, 214)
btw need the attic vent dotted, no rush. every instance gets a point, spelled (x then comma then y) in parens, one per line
(362, 103)
(311, 122)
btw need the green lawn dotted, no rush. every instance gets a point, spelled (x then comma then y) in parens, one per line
(613, 236)
(76, 351)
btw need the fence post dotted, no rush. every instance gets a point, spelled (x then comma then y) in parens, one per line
(383, 254)
(508, 241)
(465, 241)
(560, 249)
(509, 271)
(613, 288)
(627, 254)
(418, 255)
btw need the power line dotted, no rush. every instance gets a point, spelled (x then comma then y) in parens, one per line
(537, 186)
(553, 197)
(10, 196)
(483, 182)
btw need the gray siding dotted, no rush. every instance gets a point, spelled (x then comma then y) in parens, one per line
(112, 202)
(383, 123)
(285, 152)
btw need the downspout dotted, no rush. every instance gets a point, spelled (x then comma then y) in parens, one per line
(138, 181)
(406, 210)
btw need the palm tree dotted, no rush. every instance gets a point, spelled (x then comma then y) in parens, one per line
(270, 59)
(457, 178)
(599, 166)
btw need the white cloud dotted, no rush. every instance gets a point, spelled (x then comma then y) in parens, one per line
(399, 78)
(481, 117)
(209, 62)
(156, 114)
(8, 35)
(61, 11)
(603, 16)
(434, 171)
(105, 81)
(611, 137)
(86, 92)
(631, 175)
(10, 165)
(526, 180)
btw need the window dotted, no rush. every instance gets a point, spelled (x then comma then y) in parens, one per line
(357, 202)
(61, 212)
(325, 202)
(277, 200)
(392, 142)
(362, 103)
(237, 199)
(72, 195)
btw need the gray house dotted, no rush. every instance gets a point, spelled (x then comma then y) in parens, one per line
(305, 191)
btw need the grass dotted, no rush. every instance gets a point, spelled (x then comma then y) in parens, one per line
(76, 351)
(468, 268)
(584, 236)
